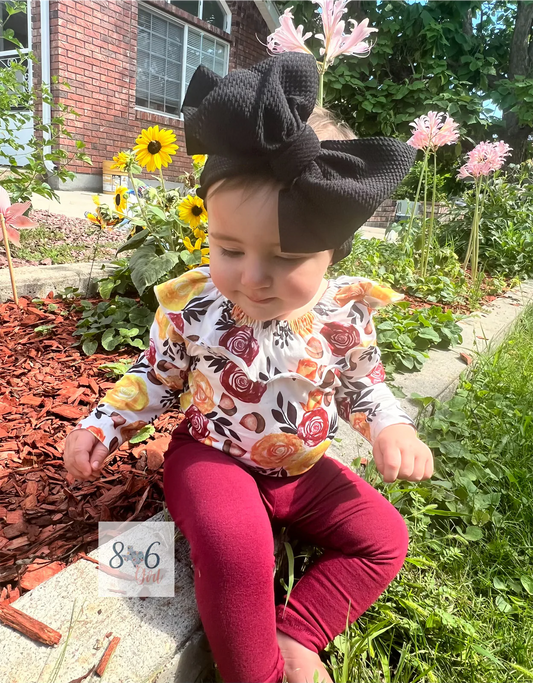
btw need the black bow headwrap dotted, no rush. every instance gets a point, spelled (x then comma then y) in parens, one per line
(253, 121)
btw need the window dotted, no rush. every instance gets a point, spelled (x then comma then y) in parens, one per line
(216, 13)
(168, 53)
(19, 23)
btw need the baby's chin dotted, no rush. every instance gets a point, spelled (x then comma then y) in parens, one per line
(270, 310)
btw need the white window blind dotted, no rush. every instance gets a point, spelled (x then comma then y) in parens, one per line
(162, 46)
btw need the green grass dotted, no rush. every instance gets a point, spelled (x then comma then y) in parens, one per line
(42, 243)
(461, 609)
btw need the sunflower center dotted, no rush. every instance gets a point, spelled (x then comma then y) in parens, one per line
(196, 210)
(154, 146)
(117, 200)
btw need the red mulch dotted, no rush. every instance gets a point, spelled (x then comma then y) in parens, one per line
(46, 386)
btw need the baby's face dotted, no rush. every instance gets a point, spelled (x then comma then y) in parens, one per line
(247, 264)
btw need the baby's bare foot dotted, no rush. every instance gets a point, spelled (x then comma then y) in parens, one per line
(301, 664)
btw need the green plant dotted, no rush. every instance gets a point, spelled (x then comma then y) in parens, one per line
(404, 335)
(389, 263)
(505, 228)
(19, 107)
(167, 235)
(116, 370)
(461, 609)
(115, 324)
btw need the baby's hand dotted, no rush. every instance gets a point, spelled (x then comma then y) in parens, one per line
(84, 454)
(399, 454)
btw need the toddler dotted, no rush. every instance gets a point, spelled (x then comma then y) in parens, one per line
(265, 354)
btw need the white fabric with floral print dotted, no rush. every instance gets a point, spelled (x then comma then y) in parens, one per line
(268, 393)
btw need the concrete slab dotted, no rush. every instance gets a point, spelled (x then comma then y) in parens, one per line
(160, 637)
(37, 281)
(440, 374)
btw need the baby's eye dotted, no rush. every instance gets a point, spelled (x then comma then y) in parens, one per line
(231, 254)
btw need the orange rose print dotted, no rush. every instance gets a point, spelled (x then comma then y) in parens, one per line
(97, 432)
(128, 431)
(174, 335)
(202, 392)
(129, 393)
(162, 323)
(314, 400)
(176, 294)
(185, 401)
(299, 465)
(353, 292)
(274, 449)
(378, 296)
(360, 424)
(307, 368)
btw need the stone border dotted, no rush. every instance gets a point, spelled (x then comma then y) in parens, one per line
(161, 639)
(37, 281)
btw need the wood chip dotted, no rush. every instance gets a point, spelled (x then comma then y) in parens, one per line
(34, 629)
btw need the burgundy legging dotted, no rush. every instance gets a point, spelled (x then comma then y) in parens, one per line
(227, 512)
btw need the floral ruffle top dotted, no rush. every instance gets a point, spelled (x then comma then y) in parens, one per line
(268, 393)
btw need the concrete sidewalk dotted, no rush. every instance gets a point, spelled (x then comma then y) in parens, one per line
(72, 204)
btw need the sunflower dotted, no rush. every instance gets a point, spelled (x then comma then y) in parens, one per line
(200, 234)
(199, 161)
(121, 199)
(154, 148)
(192, 211)
(121, 159)
(197, 246)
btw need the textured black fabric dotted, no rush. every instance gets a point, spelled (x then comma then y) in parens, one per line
(253, 121)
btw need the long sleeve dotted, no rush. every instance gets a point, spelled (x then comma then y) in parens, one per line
(150, 387)
(363, 399)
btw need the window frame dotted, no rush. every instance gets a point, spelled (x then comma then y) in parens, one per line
(227, 12)
(185, 26)
(8, 56)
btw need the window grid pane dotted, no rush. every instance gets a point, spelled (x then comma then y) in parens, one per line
(159, 64)
(160, 56)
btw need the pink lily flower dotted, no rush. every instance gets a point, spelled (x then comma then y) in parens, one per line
(430, 132)
(484, 159)
(288, 38)
(13, 217)
(336, 42)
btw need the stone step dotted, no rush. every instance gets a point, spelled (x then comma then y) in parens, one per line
(158, 636)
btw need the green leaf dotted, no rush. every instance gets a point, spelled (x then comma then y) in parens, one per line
(147, 271)
(109, 341)
(157, 212)
(134, 241)
(499, 584)
(105, 287)
(143, 435)
(89, 347)
(472, 533)
(527, 582)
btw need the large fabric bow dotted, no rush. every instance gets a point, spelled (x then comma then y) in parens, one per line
(253, 121)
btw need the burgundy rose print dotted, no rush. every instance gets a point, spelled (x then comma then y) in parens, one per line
(314, 427)
(340, 336)
(150, 353)
(238, 385)
(199, 423)
(241, 342)
(177, 320)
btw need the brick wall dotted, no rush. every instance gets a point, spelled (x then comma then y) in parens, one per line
(93, 48)
(386, 213)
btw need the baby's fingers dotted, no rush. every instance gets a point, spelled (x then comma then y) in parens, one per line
(388, 461)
